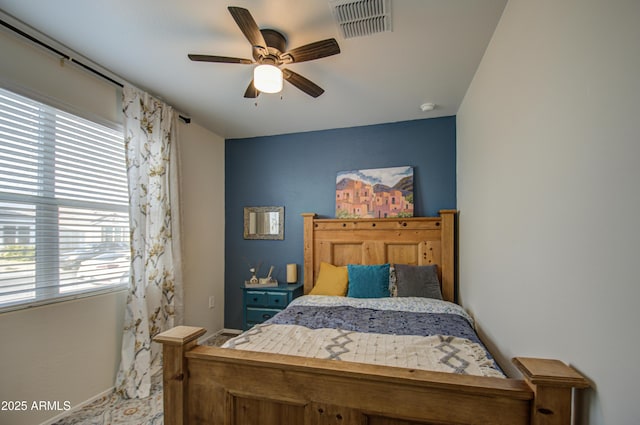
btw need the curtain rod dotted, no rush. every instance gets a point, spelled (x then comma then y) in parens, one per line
(64, 56)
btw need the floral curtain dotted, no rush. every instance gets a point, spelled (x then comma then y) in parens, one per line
(154, 301)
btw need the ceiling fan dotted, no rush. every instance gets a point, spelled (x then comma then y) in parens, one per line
(269, 49)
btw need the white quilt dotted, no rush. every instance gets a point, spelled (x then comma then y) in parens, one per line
(436, 353)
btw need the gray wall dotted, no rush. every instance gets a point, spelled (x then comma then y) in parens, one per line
(548, 194)
(70, 351)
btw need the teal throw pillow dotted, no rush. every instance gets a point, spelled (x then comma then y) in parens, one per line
(368, 281)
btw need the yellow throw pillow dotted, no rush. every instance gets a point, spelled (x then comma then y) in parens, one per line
(332, 280)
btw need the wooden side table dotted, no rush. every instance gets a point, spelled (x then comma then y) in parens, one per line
(260, 304)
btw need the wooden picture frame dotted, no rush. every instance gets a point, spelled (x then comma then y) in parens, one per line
(265, 223)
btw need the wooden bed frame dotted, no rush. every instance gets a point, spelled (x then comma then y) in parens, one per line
(210, 385)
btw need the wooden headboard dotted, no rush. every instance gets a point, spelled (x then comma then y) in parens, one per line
(416, 241)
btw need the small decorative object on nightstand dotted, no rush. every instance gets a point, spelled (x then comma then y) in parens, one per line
(253, 279)
(262, 304)
(292, 273)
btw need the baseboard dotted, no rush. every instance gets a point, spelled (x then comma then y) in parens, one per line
(206, 337)
(77, 407)
(81, 405)
(202, 340)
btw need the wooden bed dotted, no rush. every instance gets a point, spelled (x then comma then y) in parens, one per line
(209, 385)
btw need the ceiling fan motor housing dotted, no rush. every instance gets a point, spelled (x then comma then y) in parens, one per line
(276, 44)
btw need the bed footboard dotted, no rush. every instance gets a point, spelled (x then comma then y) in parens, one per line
(176, 342)
(209, 385)
(552, 383)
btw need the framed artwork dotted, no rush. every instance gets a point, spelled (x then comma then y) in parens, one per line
(375, 193)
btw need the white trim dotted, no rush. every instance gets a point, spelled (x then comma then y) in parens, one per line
(61, 299)
(207, 337)
(77, 407)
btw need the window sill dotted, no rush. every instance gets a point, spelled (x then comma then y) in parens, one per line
(63, 298)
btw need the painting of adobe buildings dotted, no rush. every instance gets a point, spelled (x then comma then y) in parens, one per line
(376, 193)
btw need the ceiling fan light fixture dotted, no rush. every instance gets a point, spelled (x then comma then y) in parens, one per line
(267, 78)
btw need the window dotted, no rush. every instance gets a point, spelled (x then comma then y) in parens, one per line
(64, 220)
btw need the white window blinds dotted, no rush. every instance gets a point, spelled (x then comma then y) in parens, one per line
(64, 221)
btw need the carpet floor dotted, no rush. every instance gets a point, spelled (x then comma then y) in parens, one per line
(113, 409)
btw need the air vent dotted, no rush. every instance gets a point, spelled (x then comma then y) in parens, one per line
(359, 18)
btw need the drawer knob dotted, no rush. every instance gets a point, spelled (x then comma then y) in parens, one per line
(266, 316)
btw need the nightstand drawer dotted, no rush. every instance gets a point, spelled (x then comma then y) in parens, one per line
(277, 299)
(259, 315)
(260, 304)
(258, 298)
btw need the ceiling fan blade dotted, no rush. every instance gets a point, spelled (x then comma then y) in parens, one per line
(251, 91)
(317, 50)
(219, 59)
(302, 83)
(248, 26)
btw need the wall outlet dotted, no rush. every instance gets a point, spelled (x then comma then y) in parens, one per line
(212, 301)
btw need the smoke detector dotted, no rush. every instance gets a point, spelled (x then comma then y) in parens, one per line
(426, 107)
(359, 18)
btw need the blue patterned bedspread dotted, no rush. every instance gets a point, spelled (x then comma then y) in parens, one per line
(406, 332)
(368, 320)
(390, 316)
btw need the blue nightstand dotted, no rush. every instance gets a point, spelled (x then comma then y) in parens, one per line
(260, 304)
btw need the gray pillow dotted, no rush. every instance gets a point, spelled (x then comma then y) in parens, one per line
(418, 281)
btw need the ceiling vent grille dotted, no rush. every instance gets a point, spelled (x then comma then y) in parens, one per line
(359, 18)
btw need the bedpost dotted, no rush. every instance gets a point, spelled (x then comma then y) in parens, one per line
(552, 383)
(448, 263)
(308, 251)
(175, 343)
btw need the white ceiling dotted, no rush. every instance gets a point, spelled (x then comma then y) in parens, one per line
(430, 56)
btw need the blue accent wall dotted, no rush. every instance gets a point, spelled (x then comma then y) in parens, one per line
(298, 171)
